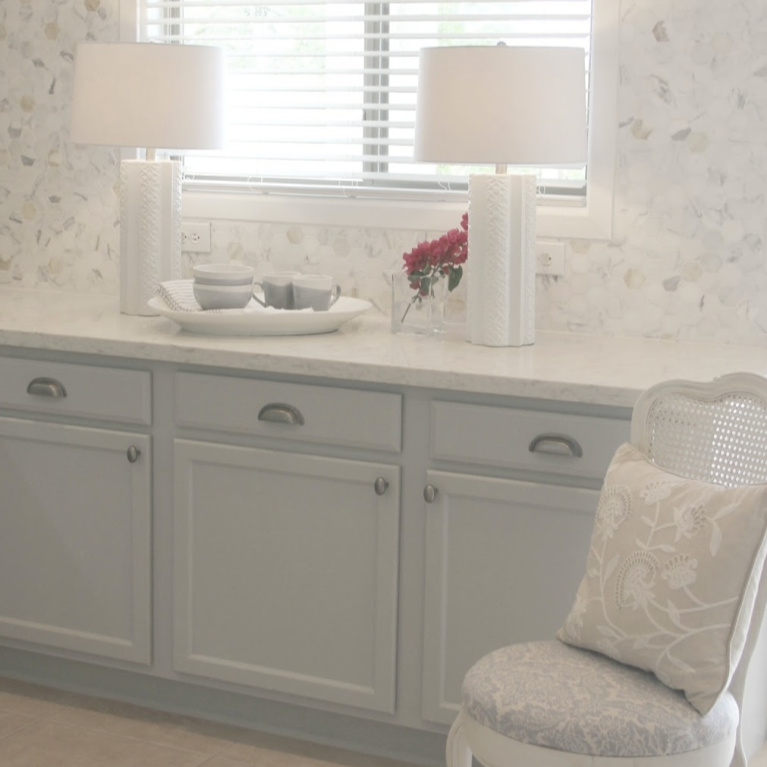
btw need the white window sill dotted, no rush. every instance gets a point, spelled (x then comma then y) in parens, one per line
(592, 221)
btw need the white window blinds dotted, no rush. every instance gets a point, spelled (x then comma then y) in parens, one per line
(321, 95)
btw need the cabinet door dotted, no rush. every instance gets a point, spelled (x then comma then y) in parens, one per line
(503, 561)
(285, 572)
(75, 561)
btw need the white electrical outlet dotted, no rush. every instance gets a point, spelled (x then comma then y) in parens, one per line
(195, 236)
(550, 257)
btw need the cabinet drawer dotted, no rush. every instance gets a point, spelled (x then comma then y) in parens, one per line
(522, 439)
(371, 420)
(84, 391)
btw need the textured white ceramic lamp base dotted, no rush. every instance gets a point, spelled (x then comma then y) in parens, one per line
(150, 230)
(500, 308)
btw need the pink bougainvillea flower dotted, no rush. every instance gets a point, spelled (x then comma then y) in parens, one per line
(428, 262)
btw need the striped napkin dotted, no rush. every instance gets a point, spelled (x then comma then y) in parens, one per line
(179, 296)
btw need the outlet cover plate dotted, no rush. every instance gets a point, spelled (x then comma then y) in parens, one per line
(550, 257)
(195, 236)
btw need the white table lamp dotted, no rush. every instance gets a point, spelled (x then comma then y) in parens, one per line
(152, 96)
(501, 105)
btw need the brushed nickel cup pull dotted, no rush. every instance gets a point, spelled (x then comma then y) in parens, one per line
(279, 412)
(430, 493)
(133, 454)
(556, 444)
(46, 387)
(381, 485)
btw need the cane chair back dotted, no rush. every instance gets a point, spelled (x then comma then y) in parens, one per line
(713, 432)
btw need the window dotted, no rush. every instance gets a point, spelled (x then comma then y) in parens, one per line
(322, 102)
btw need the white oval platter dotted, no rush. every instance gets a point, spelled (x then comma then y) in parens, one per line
(254, 320)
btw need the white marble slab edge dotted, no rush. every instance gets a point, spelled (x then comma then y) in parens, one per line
(581, 368)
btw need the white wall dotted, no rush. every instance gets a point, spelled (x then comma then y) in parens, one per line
(688, 255)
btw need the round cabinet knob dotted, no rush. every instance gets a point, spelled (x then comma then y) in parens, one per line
(381, 485)
(133, 453)
(429, 493)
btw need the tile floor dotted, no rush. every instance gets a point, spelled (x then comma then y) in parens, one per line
(41, 727)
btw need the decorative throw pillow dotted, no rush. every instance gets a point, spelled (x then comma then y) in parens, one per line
(671, 576)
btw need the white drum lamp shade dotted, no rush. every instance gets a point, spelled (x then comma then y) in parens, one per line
(152, 96)
(501, 105)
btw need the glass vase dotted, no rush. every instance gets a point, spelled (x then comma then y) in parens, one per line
(415, 314)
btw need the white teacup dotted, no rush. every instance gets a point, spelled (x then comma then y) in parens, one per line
(222, 296)
(278, 290)
(315, 291)
(231, 273)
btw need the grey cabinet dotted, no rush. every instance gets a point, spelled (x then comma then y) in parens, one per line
(75, 521)
(503, 555)
(286, 563)
(305, 549)
(503, 560)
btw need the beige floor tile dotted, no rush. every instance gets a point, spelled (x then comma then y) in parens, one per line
(10, 722)
(144, 724)
(51, 744)
(43, 727)
(29, 699)
(262, 750)
(225, 761)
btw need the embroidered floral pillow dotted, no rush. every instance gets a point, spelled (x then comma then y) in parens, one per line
(671, 576)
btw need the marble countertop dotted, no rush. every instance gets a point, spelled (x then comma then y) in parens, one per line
(565, 367)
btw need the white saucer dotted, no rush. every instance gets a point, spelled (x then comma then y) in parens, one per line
(254, 320)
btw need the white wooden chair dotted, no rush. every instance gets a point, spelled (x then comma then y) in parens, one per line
(715, 432)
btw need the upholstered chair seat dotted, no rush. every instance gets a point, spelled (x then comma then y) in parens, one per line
(554, 696)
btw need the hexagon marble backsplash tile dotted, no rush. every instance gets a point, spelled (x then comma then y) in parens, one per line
(361, 259)
(687, 259)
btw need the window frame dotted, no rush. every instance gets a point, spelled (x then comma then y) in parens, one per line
(555, 218)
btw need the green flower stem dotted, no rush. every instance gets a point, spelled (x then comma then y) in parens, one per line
(428, 279)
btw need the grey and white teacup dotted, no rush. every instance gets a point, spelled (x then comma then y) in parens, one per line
(315, 291)
(278, 290)
(223, 285)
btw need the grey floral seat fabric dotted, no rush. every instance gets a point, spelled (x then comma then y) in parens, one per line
(556, 696)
